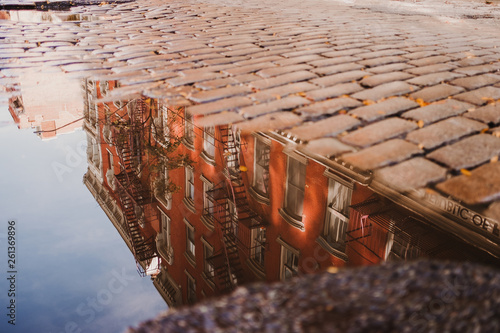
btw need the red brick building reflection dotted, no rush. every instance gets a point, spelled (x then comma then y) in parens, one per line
(205, 207)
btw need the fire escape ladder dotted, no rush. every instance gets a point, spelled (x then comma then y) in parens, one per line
(132, 193)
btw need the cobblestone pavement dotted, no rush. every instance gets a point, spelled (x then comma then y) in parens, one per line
(409, 92)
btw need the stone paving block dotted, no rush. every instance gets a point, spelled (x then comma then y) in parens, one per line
(286, 103)
(331, 126)
(481, 186)
(223, 60)
(381, 53)
(487, 114)
(379, 79)
(430, 69)
(383, 154)
(445, 131)
(298, 60)
(342, 53)
(378, 132)
(251, 68)
(334, 91)
(388, 68)
(282, 91)
(383, 109)
(469, 152)
(493, 211)
(435, 93)
(420, 54)
(385, 90)
(221, 118)
(480, 96)
(193, 78)
(327, 107)
(474, 82)
(434, 78)
(230, 103)
(283, 79)
(306, 52)
(328, 147)
(274, 71)
(323, 62)
(411, 174)
(272, 121)
(382, 61)
(480, 69)
(212, 95)
(336, 69)
(437, 111)
(330, 80)
(429, 61)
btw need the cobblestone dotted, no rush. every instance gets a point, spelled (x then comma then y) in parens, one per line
(383, 154)
(395, 88)
(383, 109)
(480, 96)
(487, 114)
(331, 126)
(437, 111)
(378, 132)
(474, 82)
(481, 186)
(468, 152)
(435, 93)
(444, 132)
(334, 91)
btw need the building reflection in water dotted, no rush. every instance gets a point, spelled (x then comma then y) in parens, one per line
(205, 207)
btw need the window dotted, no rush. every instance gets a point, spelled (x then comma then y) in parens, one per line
(261, 168)
(337, 213)
(289, 261)
(188, 130)
(208, 268)
(160, 128)
(258, 246)
(399, 247)
(189, 190)
(190, 245)
(294, 197)
(163, 240)
(209, 142)
(191, 288)
(165, 228)
(208, 206)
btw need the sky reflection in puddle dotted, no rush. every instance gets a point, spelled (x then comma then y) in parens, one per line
(73, 269)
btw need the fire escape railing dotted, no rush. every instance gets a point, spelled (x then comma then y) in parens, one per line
(230, 209)
(134, 196)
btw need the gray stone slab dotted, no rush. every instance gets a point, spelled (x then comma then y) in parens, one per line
(383, 154)
(436, 93)
(469, 152)
(487, 114)
(474, 82)
(287, 103)
(331, 80)
(434, 78)
(375, 80)
(481, 186)
(283, 79)
(337, 68)
(389, 68)
(444, 132)
(383, 109)
(437, 111)
(378, 132)
(212, 95)
(411, 174)
(480, 96)
(329, 127)
(328, 147)
(430, 69)
(272, 121)
(231, 103)
(328, 107)
(333, 91)
(385, 90)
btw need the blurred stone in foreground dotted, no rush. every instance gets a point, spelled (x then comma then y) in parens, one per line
(417, 296)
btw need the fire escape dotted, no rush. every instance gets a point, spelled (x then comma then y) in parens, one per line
(136, 199)
(233, 217)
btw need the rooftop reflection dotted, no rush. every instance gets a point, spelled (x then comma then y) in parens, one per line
(205, 207)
